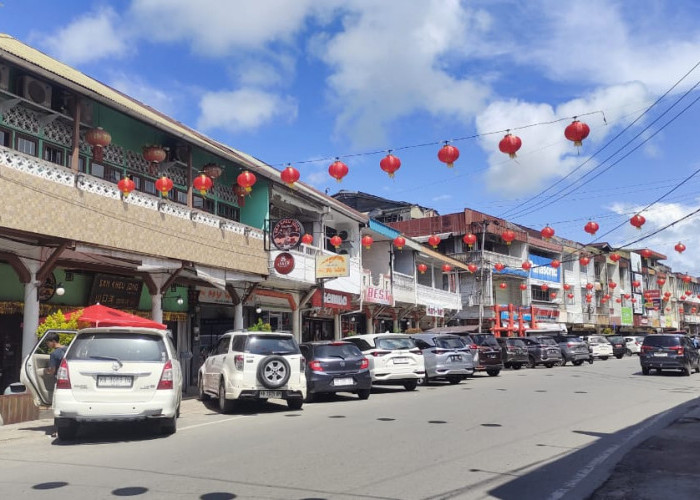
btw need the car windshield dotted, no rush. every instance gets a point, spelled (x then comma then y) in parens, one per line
(122, 347)
(662, 341)
(395, 343)
(616, 339)
(599, 340)
(449, 343)
(547, 340)
(516, 342)
(342, 351)
(271, 344)
(482, 339)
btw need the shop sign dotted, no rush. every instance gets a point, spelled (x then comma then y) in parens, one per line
(332, 266)
(286, 233)
(546, 314)
(434, 311)
(284, 263)
(214, 296)
(542, 270)
(118, 292)
(332, 300)
(626, 317)
(375, 295)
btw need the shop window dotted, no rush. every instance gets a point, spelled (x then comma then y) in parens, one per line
(203, 204)
(5, 136)
(181, 197)
(149, 186)
(227, 211)
(538, 294)
(113, 175)
(82, 164)
(26, 145)
(97, 170)
(54, 154)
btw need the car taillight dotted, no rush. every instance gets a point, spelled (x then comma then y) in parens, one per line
(377, 354)
(440, 351)
(315, 366)
(166, 378)
(62, 376)
(238, 361)
(569, 344)
(473, 346)
(364, 363)
(678, 349)
(417, 352)
(647, 348)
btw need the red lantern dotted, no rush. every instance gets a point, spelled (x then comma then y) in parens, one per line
(627, 296)
(338, 170)
(390, 164)
(527, 265)
(240, 193)
(510, 144)
(246, 179)
(576, 132)
(503, 286)
(614, 257)
(154, 154)
(336, 241)
(367, 241)
(202, 183)
(399, 242)
(555, 263)
(680, 247)
(126, 185)
(591, 227)
(660, 281)
(668, 309)
(289, 175)
(448, 154)
(508, 236)
(553, 295)
(693, 310)
(589, 286)
(634, 301)
(469, 239)
(523, 286)
(422, 268)
(636, 284)
(606, 296)
(446, 268)
(547, 232)
(544, 287)
(584, 261)
(567, 286)
(570, 295)
(688, 293)
(589, 298)
(99, 139)
(307, 239)
(164, 185)
(619, 301)
(646, 253)
(499, 267)
(612, 285)
(434, 240)
(637, 221)
(472, 268)
(212, 170)
(681, 310)
(686, 279)
(667, 294)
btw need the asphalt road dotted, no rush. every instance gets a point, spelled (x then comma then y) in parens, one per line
(528, 434)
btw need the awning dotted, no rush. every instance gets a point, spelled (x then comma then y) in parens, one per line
(100, 315)
(423, 239)
(219, 278)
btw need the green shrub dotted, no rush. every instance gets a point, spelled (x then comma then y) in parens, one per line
(260, 326)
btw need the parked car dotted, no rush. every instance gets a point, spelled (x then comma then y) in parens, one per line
(108, 374)
(542, 350)
(254, 366)
(619, 346)
(393, 358)
(634, 344)
(513, 352)
(572, 348)
(669, 351)
(335, 367)
(600, 346)
(445, 356)
(488, 356)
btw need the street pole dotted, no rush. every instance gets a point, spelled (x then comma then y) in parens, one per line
(484, 224)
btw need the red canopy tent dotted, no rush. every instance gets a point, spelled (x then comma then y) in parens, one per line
(100, 315)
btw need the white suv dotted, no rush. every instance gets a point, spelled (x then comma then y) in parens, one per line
(108, 374)
(394, 358)
(600, 346)
(254, 366)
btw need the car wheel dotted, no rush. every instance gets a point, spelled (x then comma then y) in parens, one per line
(645, 370)
(66, 429)
(517, 366)
(619, 356)
(410, 385)
(169, 426)
(628, 352)
(549, 365)
(424, 381)
(577, 362)
(493, 373)
(454, 379)
(603, 358)
(225, 405)
(531, 362)
(363, 393)
(295, 403)
(203, 396)
(273, 372)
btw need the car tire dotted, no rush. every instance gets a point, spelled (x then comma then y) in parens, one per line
(295, 403)
(549, 365)
(363, 393)
(493, 373)
(424, 381)
(604, 358)
(273, 372)
(517, 366)
(577, 363)
(169, 426)
(203, 396)
(225, 405)
(619, 356)
(531, 362)
(66, 430)
(410, 385)
(454, 379)
(563, 362)
(645, 370)
(628, 352)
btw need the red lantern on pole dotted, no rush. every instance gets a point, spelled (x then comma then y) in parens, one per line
(680, 247)
(555, 263)
(448, 154)
(499, 267)
(526, 265)
(472, 268)
(469, 239)
(434, 240)
(367, 241)
(399, 242)
(523, 286)
(126, 185)
(636, 284)
(552, 295)
(584, 261)
(646, 253)
(508, 236)
(591, 227)
(567, 286)
(99, 139)
(661, 281)
(202, 183)
(576, 132)
(503, 285)
(544, 287)
(289, 175)
(390, 164)
(446, 268)
(510, 144)
(615, 257)
(619, 301)
(246, 179)
(338, 170)
(627, 296)
(686, 279)
(164, 185)
(422, 268)
(307, 239)
(571, 296)
(547, 232)
(589, 286)
(336, 241)
(612, 284)
(638, 221)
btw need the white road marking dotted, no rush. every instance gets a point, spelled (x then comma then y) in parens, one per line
(211, 423)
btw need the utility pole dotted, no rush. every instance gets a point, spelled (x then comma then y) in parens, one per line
(484, 225)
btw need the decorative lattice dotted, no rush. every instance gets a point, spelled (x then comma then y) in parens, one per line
(114, 154)
(37, 167)
(59, 132)
(224, 193)
(23, 118)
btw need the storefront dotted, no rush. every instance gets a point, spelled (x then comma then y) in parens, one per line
(323, 320)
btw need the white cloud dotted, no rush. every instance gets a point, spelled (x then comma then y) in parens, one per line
(137, 88)
(244, 109)
(89, 38)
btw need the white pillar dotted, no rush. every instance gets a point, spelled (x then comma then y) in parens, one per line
(238, 316)
(296, 324)
(157, 307)
(370, 323)
(395, 326)
(337, 327)
(30, 319)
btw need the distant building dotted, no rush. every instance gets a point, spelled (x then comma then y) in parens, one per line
(383, 210)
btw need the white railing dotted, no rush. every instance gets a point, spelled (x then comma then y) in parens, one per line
(404, 288)
(305, 269)
(433, 296)
(490, 258)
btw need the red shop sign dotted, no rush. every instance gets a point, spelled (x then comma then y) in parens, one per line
(284, 263)
(332, 300)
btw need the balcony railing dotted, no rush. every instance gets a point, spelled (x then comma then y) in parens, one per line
(434, 296)
(404, 288)
(411, 293)
(305, 269)
(490, 258)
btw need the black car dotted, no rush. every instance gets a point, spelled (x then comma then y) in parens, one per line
(514, 352)
(619, 345)
(335, 367)
(488, 358)
(542, 350)
(669, 351)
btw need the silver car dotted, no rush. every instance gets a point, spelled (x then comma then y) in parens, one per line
(446, 357)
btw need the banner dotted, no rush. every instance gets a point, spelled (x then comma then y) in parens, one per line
(332, 266)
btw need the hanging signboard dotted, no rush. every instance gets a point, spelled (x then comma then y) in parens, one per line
(286, 233)
(376, 295)
(332, 266)
(434, 311)
(284, 263)
(332, 300)
(118, 292)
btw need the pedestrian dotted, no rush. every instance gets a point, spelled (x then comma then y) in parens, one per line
(53, 342)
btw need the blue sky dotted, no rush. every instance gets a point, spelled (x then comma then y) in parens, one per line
(302, 81)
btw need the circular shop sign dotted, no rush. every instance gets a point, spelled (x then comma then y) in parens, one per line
(284, 263)
(286, 233)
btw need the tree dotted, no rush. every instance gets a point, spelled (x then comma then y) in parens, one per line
(58, 321)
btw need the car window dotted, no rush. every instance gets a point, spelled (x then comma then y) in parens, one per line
(449, 343)
(394, 343)
(516, 342)
(121, 347)
(271, 344)
(337, 351)
(222, 347)
(422, 344)
(662, 341)
(489, 340)
(616, 339)
(547, 341)
(305, 351)
(362, 344)
(238, 343)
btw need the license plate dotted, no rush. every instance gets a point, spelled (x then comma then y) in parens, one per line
(491, 356)
(270, 394)
(114, 381)
(343, 381)
(455, 357)
(400, 361)
(661, 354)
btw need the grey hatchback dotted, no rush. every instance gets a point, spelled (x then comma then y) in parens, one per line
(446, 357)
(335, 367)
(669, 351)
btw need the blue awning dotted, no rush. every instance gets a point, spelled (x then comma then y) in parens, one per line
(387, 231)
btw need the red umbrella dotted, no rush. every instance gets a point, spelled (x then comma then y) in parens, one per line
(100, 315)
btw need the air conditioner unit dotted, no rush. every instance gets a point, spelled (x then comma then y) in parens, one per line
(4, 77)
(36, 91)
